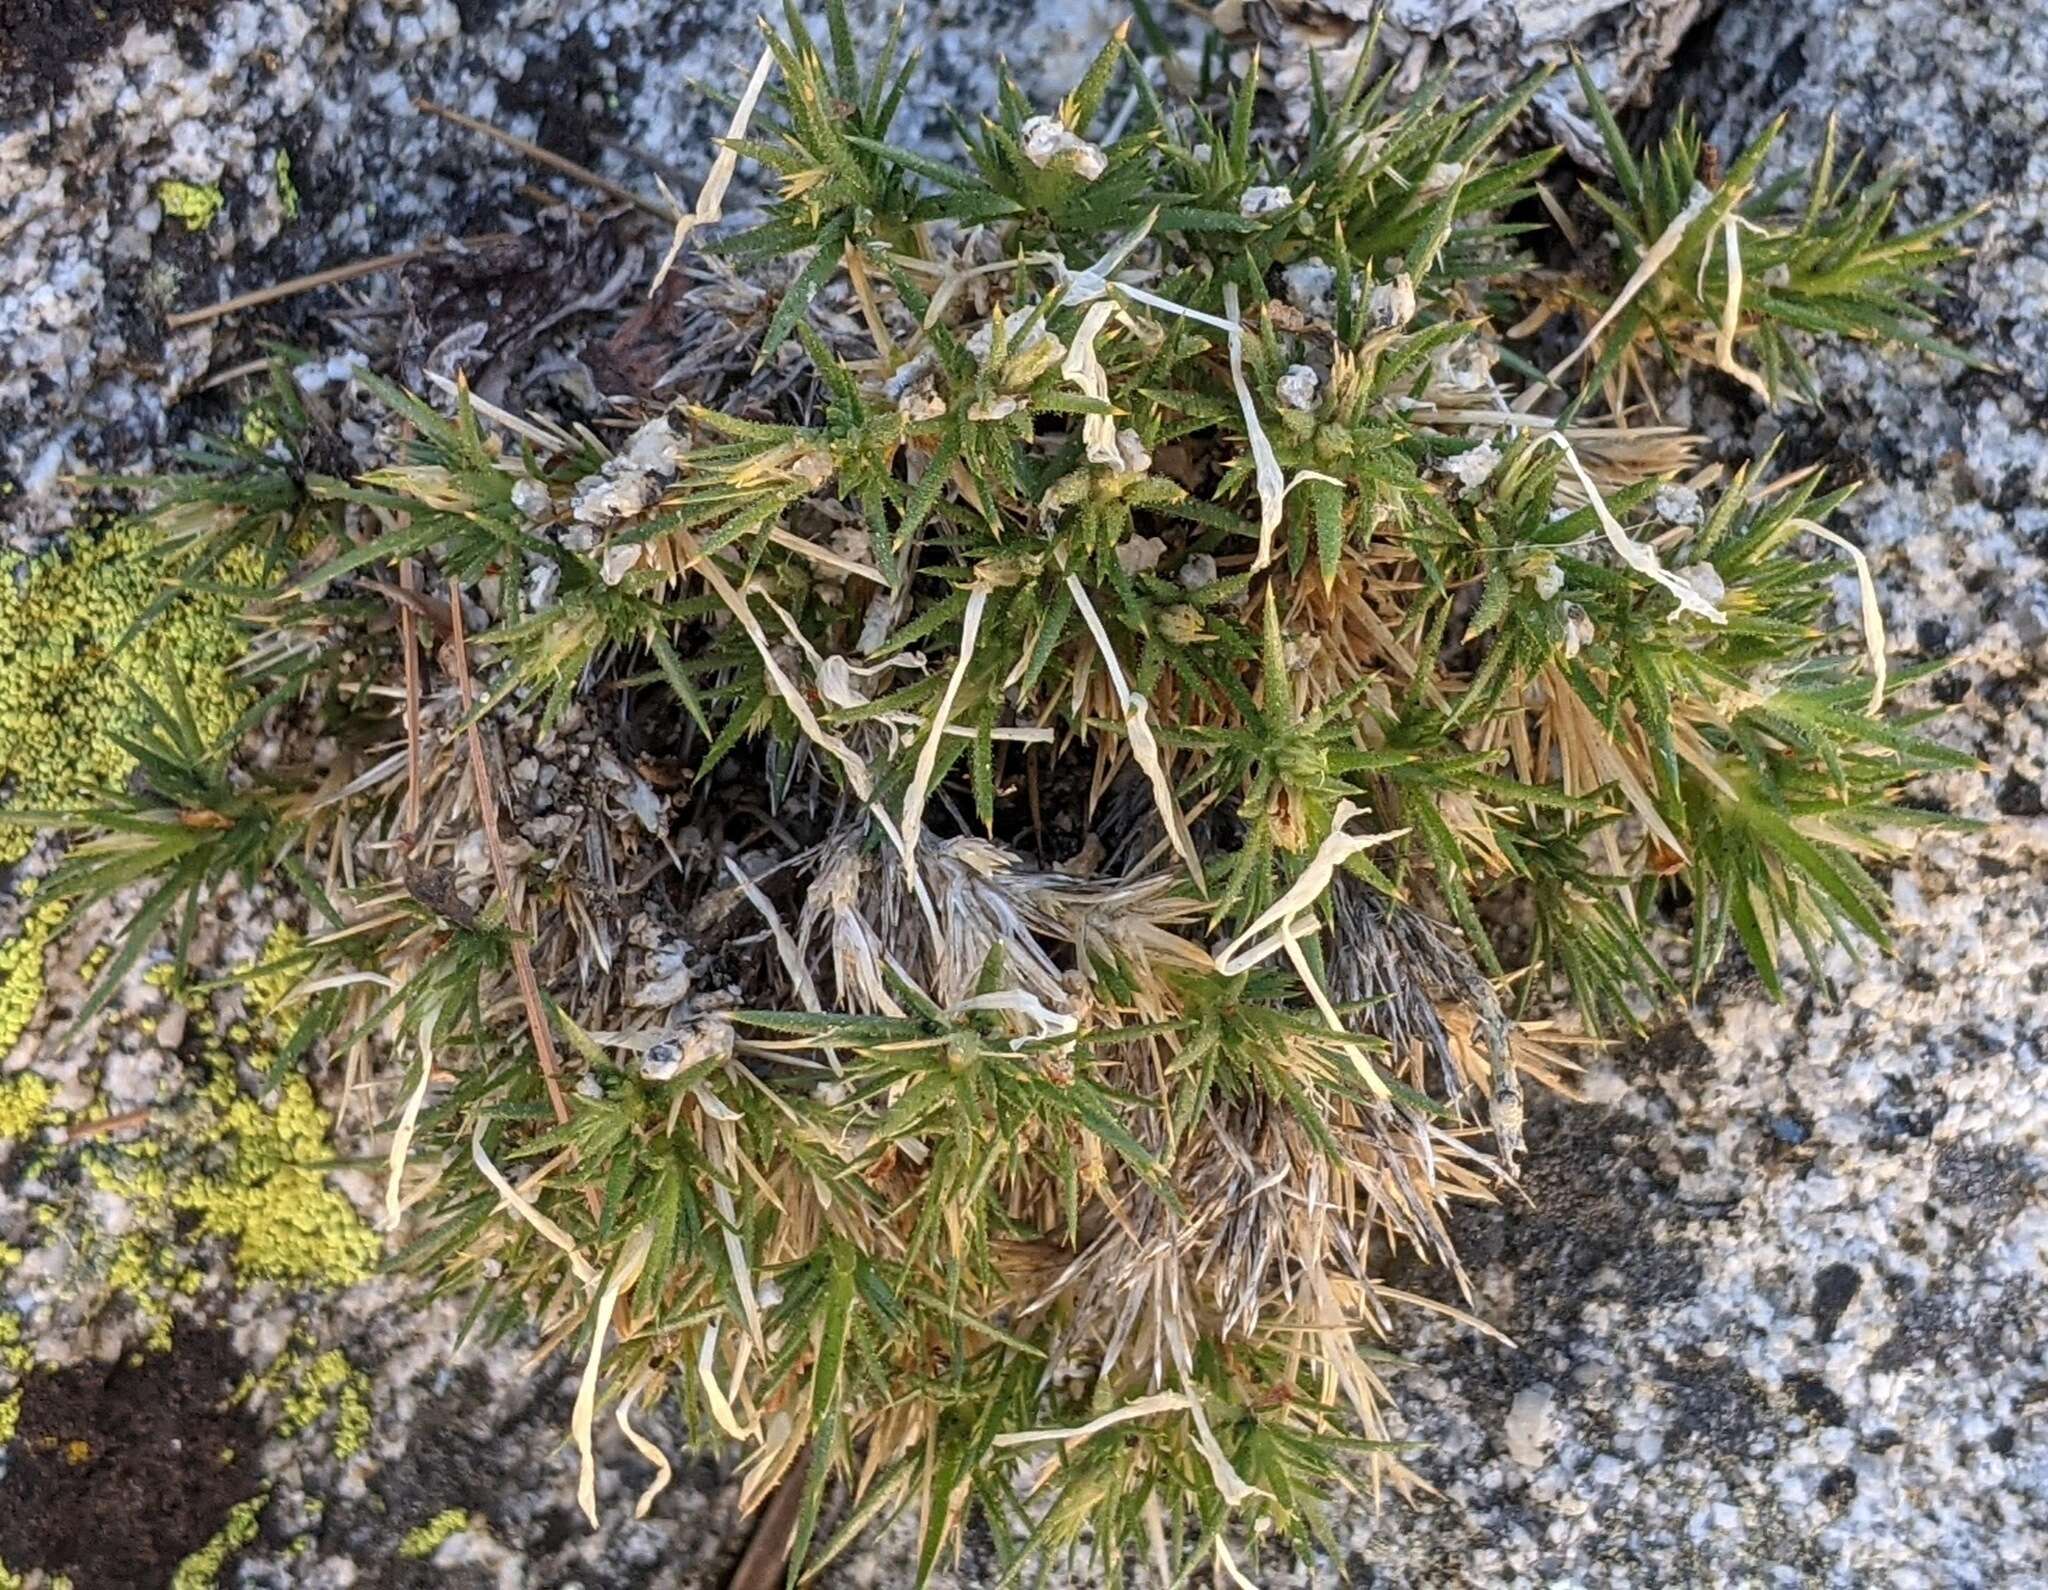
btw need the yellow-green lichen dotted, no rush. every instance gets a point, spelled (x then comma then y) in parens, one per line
(285, 1222)
(15, 1358)
(73, 664)
(202, 1569)
(427, 1539)
(195, 204)
(10, 1416)
(24, 1105)
(313, 1383)
(267, 989)
(258, 428)
(21, 969)
(287, 190)
(252, 1176)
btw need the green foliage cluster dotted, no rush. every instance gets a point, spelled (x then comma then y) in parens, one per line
(1237, 503)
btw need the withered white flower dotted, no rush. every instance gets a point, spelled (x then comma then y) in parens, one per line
(1047, 141)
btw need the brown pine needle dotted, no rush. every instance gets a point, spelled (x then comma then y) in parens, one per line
(332, 276)
(501, 871)
(548, 158)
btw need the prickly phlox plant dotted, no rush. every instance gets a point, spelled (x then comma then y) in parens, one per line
(941, 907)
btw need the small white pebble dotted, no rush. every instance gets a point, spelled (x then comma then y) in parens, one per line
(1260, 202)
(1677, 505)
(532, 499)
(1530, 1427)
(1298, 387)
(1140, 554)
(1311, 287)
(1705, 579)
(1444, 175)
(619, 561)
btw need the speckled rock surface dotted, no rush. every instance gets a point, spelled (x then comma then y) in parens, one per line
(1776, 1294)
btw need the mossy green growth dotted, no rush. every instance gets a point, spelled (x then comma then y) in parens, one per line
(73, 664)
(21, 970)
(24, 1105)
(287, 190)
(195, 204)
(427, 1539)
(202, 1569)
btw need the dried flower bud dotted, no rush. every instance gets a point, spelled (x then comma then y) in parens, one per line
(1048, 142)
(1392, 303)
(1578, 629)
(1474, 466)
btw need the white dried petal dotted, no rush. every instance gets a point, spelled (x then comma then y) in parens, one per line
(1048, 142)
(1298, 387)
(1548, 580)
(1473, 467)
(603, 499)
(1578, 629)
(1030, 348)
(1259, 202)
(652, 449)
(1133, 459)
(1392, 303)
(1197, 572)
(706, 1038)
